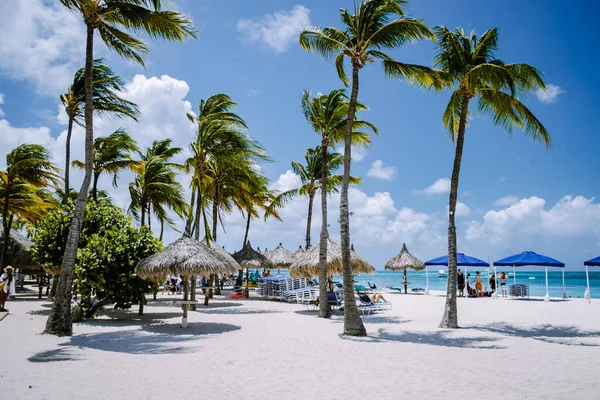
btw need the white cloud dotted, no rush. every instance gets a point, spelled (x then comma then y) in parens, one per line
(40, 41)
(506, 201)
(462, 210)
(287, 181)
(378, 171)
(358, 153)
(550, 94)
(440, 186)
(277, 30)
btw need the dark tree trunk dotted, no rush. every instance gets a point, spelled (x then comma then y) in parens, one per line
(215, 213)
(197, 232)
(311, 199)
(353, 325)
(60, 320)
(162, 229)
(324, 309)
(149, 217)
(55, 279)
(68, 160)
(190, 220)
(247, 229)
(6, 223)
(95, 186)
(450, 318)
(143, 216)
(142, 301)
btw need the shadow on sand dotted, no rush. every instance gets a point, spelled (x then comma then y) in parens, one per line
(437, 338)
(565, 335)
(149, 339)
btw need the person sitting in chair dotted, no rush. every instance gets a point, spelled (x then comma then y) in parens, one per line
(378, 298)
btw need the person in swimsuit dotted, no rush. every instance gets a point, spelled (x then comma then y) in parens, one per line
(478, 281)
(460, 281)
(493, 283)
(503, 284)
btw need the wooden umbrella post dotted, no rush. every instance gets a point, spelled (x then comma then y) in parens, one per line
(405, 282)
(247, 282)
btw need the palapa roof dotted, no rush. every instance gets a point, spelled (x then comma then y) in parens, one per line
(299, 251)
(222, 252)
(307, 264)
(403, 261)
(250, 258)
(19, 254)
(186, 257)
(280, 257)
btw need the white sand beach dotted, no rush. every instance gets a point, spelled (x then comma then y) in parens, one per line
(255, 349)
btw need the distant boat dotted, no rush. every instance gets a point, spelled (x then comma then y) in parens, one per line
(442, 274)
(532, 278)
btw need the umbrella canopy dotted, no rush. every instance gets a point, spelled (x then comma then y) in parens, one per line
(307, 264)
(299, 251)
(403, 261)
(222, 252)
(185, 257)
(19, 254)
(594, 262)
(250, 258)
(461, 260)
(280, 257)
(529, 258)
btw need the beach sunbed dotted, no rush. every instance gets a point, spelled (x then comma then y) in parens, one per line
(335, 300)
(367, 303)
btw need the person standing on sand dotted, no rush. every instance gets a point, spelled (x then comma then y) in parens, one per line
(8, 285)
(478, 285)
(493, 283)
(460, 282)
(503, 284)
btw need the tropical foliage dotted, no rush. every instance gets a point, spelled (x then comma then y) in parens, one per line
(470, 68)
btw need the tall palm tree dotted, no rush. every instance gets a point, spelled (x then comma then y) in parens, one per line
(107, 103)
(469, 65)
(311, 182)
(327, 116)
(111, 154)
(111, 19)
(28, 170)
(367, 34)
(156, 186)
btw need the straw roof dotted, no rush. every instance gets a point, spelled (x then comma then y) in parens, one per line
(280, 257)
(186, 257)
(307, 264)
(299, 251)
(250, 258)
(19, 254)
(222, 252)
(403, 261)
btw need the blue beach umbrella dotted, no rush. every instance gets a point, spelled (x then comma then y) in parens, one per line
(594, 262)
(462, 260)
(534, 259)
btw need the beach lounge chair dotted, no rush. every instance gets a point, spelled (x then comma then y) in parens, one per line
(372, 285)
(417, 290)
(360, 289)
(365, 301)
(335, 300)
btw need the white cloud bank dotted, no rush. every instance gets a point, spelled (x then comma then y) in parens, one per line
(379, 171)
(277, 30)
(550, 95)
(506, 201)
(440, 186)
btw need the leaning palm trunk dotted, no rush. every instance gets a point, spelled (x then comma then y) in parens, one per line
(353, 325)
(6, 223)
(247, 230)
(60, 321)
(68, 159)
(450, 318)
(311, 199)
(324, 310)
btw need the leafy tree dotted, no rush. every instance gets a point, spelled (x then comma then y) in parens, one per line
(112, 154)
(364, 39)
(111, 19)
(469, 65)
(107, 103)
(28, 171)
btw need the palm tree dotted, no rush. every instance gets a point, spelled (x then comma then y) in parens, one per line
(327, 116)
(156, 187)
(107, 103)
(28, 171)
(111, 19)
(364, 39)
(111, 154)
(310, 177)
(469, 65)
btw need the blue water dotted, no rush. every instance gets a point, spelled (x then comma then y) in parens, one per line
(574, 281)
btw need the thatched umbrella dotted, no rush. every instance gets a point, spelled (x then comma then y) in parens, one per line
(250, 258)
(215, 246)
(280, 257)
(307, 264)
(19, 254)
(299, 251)
(186, 257)
(403, 261)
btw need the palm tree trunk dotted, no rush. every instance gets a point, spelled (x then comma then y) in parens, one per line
(311, 199)
(247, 229)
(190, 220)
(143, 216)
(162, 229)
(353, 325)
(199, 210)
(60, 321)
(450, 318)
(324, 310)
(149, 216)
(95, 185)
(5, 228)
(215, 212)
(68, 159)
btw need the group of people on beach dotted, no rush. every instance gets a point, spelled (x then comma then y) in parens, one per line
(465, 282)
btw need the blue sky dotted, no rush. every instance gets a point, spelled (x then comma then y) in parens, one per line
(514, 192)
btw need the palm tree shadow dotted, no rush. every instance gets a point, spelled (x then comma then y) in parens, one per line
(565, 335)
(436, 338)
